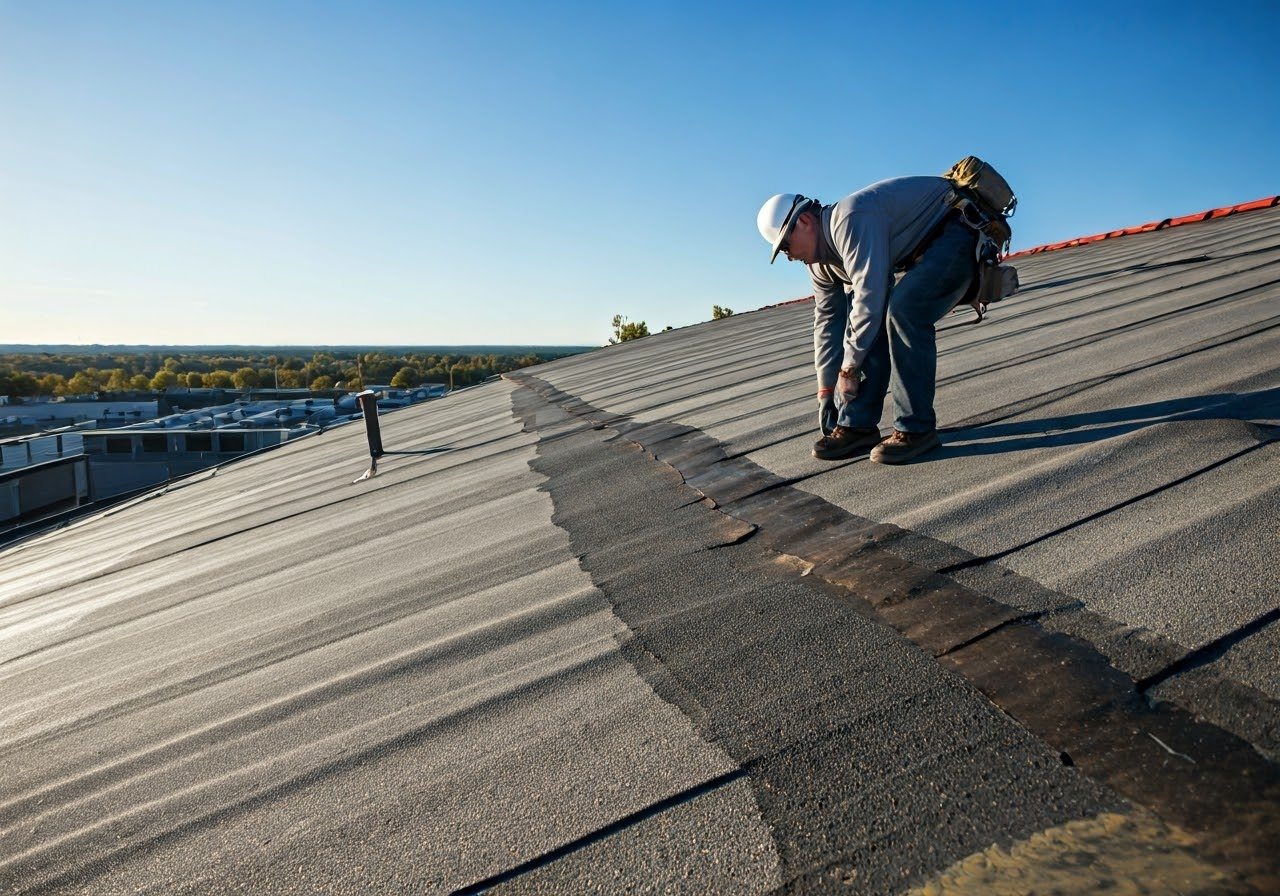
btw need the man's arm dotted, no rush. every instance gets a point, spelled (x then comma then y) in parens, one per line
(863, 245)
(830, 319)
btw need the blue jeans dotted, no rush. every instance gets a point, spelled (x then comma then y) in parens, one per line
(904, 356)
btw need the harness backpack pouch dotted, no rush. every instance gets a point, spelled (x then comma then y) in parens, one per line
(983, 185)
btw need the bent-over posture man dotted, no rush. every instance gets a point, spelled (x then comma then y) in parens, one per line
(871, 334)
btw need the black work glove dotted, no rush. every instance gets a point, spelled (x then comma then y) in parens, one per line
(827, 413)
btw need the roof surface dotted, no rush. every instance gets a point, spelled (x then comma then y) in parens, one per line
(611, 626)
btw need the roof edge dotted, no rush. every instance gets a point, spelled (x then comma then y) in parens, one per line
(1255, 205)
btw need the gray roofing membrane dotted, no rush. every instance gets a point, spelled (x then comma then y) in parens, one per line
(619, 631)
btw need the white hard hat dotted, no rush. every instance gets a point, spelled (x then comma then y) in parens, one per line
(778, 215)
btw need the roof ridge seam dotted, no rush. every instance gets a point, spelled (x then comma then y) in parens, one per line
(1165, 223)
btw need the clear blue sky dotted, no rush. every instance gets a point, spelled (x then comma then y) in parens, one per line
(418, 173)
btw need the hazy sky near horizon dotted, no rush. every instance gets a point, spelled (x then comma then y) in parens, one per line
(411, 173)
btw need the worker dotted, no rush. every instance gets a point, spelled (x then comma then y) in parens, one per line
(887, 263)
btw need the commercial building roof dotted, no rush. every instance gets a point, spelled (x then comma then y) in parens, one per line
(610, 626)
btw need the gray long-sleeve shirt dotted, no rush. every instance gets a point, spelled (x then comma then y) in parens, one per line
(868, 233)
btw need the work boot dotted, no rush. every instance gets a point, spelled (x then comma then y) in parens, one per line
(845, 441)
(904, 447)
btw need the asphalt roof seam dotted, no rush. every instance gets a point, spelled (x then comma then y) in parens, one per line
(1106, 697)
(682, 432)
(638, 433)
(645, 603)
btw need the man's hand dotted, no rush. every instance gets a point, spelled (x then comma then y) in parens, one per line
(848, 384)
(827, 413)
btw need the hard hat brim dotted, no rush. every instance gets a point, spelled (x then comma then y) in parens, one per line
(802, 205)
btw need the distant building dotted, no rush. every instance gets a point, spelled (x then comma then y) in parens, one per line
(121, 461)
(105, 451)
(116, 463)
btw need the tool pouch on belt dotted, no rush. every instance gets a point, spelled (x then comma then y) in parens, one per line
(996, 282)
(992, 281)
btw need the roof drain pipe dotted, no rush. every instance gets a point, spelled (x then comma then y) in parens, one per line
(369, 408)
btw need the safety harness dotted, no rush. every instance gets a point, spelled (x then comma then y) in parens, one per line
(984, 200)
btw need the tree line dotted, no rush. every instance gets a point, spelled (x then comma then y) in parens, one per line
(625, 330)
(66, 374)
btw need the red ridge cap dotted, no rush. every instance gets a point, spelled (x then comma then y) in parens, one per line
(785, 304)
(1258, 204)
(1265, 202)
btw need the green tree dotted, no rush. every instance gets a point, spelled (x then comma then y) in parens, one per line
(379, 367)
(49, 373)
(17, 384)
(83, 383)
(406, 378)
(164, 379)
(717, 312)
(625, 331)
(245, 378)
